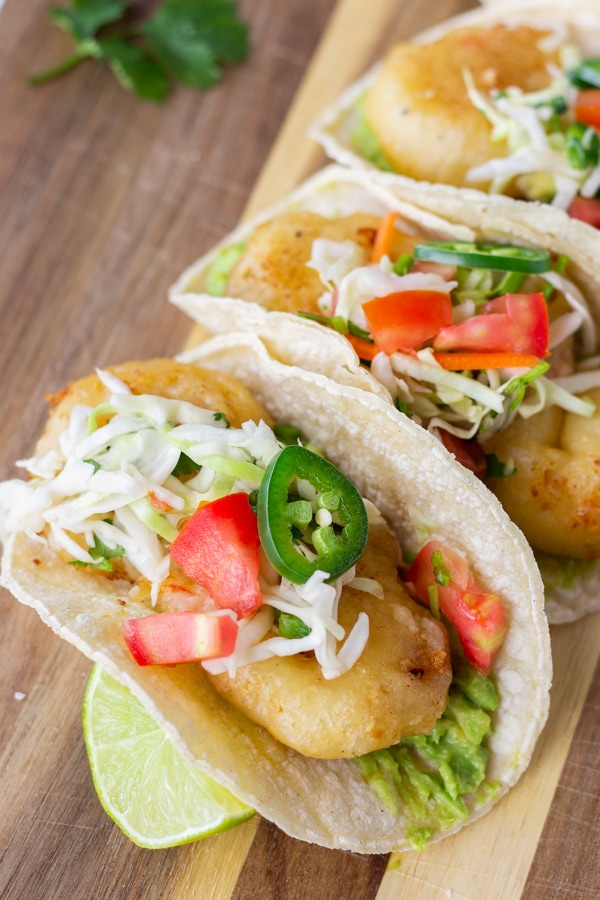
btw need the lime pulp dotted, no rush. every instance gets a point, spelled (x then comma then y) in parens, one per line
(155, 796)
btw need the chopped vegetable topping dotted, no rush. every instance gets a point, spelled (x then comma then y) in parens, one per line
(458, 334)
(478, 617)
(405, 319)
(218, 549)
(336, 543)
(164, 491)
(165, 639)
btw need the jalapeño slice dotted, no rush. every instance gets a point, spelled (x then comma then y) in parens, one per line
(504, 258)
(336, 546)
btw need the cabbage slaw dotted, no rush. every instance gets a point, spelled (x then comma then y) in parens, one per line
(552, 160)
(110, 490)
(468, 403)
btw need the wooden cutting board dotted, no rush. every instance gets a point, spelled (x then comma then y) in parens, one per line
(104, 201)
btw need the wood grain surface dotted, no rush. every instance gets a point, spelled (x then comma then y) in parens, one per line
(104, 200)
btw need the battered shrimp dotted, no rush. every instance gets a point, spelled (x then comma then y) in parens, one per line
(272, 270)
(419, 108)
(397, 688)
(554, 495)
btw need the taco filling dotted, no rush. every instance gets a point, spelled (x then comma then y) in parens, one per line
(492, 348)
(258, 559)
(511, 110)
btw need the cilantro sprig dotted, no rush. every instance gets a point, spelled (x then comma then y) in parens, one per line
(101, 554)
(185, 41)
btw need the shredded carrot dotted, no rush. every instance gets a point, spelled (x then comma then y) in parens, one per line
(456, 362)
(382, 244)
(365, 349)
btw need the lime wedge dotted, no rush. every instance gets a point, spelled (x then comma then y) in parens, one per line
(155, 796)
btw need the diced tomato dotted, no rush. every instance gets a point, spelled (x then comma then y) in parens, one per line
(587, 107)
(586, 209)
(468, 453)
(218, 548)
(478, 617)
(514, 322)
(165, 639)
(402, 320)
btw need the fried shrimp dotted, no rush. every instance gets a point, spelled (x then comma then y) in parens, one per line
(554, 494)
(397, 688)
(272, 270)
(419, 107)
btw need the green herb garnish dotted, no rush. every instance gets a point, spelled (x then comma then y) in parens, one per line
(441, 572)
(101, 554)
(185, 41)
(185, 466)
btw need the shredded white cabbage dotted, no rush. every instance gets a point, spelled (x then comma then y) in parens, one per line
(458, 402)
(110, 490)
(522, 120)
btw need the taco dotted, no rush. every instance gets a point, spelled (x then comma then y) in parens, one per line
(514, 394)
(134, 455)
(503, 100)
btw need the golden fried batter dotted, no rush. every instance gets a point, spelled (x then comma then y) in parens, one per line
(419, 108)
(397, 688)
(273, 269)
(554, 495)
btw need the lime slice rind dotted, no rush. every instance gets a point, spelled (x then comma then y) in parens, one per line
(156, 797)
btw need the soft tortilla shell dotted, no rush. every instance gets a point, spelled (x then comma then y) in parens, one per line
(448, 214)
(400, 467)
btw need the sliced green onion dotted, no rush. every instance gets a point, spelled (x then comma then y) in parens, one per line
(403, 264)
(485, 256)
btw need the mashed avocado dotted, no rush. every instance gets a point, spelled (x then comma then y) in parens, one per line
(563, 572)
(426, 777)
(220, 269)
(365, 142)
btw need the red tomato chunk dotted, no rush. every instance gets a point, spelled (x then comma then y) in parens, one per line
(478, 617)
(218, 548)
(165, 639)
(515, 322)
(403, 320)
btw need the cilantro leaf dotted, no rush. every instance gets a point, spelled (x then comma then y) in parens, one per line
(441, 573)
(185, 466)
(185, 40)
(498, 469)
(193, 37)
(135, 70)
(101, 554)
(88, 16)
